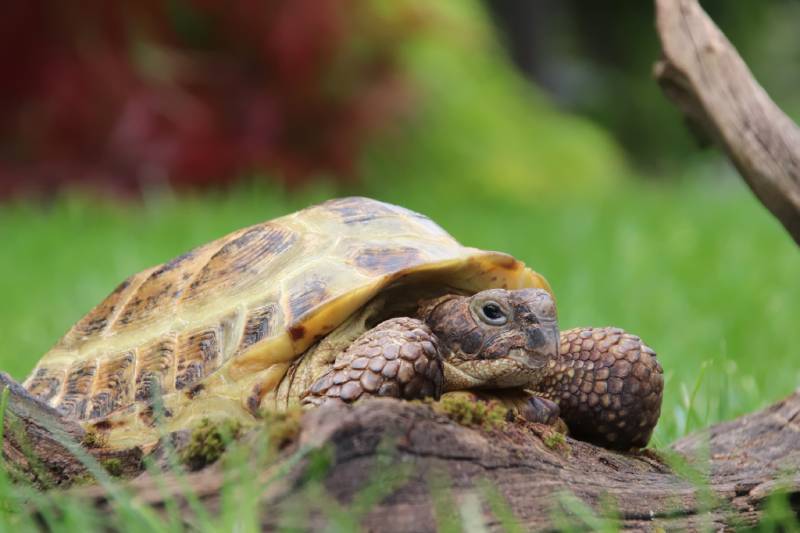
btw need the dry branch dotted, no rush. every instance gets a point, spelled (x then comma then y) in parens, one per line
(702, 73)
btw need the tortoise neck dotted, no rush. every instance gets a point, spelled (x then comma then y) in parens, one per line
(431, 311)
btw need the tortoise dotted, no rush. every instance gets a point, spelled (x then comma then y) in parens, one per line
(348, 299)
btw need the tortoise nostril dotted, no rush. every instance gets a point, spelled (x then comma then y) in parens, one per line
(542, 340)
(535, 338)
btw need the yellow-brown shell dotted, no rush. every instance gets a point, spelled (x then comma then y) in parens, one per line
(240, 308)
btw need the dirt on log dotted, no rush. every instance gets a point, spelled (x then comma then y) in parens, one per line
(716, 478)
(701, 72)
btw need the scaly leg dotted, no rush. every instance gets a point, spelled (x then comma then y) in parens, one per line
(608, 385)
(398, 358)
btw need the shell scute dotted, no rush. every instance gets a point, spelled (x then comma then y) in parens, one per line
(113, 384)
(155, 364)
(159, 291)
(175, 263)
(386, 260)
(199, 353)
(240, 261)
(261, 323)
(307, 297)
(46, 382)
(101, 317)
(356, 211)
(78, 386)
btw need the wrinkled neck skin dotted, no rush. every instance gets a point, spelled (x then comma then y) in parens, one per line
(437, 314)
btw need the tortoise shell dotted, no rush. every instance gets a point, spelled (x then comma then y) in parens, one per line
(238, 310)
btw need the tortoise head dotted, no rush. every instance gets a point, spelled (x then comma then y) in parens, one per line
(496, 338)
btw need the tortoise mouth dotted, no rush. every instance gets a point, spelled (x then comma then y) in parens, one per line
(529, 360)
(499, 373)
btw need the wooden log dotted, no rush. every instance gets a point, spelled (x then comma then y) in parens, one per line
(701, 72)
(717, 478)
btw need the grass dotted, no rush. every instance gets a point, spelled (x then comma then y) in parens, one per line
(698, 269)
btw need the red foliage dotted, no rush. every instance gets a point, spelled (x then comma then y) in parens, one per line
(120, 95)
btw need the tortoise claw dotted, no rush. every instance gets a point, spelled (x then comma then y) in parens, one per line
(540, 411)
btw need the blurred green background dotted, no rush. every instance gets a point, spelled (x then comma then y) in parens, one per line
(533, 128)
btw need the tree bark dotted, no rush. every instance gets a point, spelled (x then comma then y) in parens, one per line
(718, 478)
(702, 73)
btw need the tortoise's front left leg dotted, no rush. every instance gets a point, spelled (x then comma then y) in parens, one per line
(608, 385)
(398, 358)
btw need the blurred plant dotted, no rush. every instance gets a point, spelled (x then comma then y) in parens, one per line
(136, 94)
(596, 59)
(480, 130)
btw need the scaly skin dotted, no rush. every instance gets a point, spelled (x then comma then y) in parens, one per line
(608, 385)
(398, 358)
(605, 384)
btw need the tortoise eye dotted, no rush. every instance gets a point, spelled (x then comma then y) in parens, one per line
(493, 314)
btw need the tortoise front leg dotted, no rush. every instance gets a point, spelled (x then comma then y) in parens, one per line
(398, 358)
(608, 385)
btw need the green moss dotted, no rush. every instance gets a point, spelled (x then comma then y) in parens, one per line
(93, 439)
(282, 427)
(82, 480)
(555, 440)
(467, 410)
(208, 441)
(113, 466)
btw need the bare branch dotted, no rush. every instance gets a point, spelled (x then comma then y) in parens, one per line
(702, 73)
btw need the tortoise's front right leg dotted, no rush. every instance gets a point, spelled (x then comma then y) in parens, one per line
(398, 358)
(608, 385)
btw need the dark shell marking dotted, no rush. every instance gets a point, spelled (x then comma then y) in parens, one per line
(154, 365)
(94, 392)
(195, 274)
(251, 252)
(260, 325)
(99, 318)
(387, 260)
(77, 388)
(297, 332)
(159, 287)
(198, 355)
(112, 386)
(309, 296)
(356, 211)
(46, 383)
